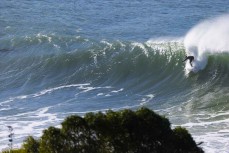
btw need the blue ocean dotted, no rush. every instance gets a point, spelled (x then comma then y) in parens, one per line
(66, 57)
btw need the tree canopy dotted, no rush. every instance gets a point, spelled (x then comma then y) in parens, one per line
(125, 131)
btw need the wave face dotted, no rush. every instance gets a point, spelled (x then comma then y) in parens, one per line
(65, 57)
(207, 38)
(44, 78)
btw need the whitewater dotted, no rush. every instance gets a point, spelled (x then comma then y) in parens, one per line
(62, 58)
(209, 37)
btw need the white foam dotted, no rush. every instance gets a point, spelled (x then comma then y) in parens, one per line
(24, 124)
(141, 46)
(165, 44)
(208, 37)
(106, 43)
(163, 40)
(147, 99)
(214, 142)
(40, 36)
(11, 99)
(46, 91)
(116, 91)
(100, 94)
(211, 129)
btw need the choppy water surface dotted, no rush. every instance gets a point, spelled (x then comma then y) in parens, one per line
(72, 57)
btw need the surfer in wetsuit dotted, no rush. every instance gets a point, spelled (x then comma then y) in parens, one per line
(190, 58)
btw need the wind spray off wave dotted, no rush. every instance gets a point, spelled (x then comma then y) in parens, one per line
(208, 37)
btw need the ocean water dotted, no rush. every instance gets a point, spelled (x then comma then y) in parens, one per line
(68, 57)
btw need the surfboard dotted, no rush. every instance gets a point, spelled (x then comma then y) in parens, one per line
(189, 68)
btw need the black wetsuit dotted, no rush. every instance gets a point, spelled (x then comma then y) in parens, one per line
(190, 58)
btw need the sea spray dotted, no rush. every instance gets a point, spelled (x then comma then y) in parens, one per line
(208, 37)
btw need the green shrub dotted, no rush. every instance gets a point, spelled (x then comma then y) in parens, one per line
(124, 131)
(183, 140)
(52, 141)
(31, 145)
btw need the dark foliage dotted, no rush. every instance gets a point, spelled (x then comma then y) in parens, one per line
(124, 131)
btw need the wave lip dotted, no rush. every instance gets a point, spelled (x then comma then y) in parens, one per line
(206, 38)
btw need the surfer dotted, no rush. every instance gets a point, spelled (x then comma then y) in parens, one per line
(190, 58)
